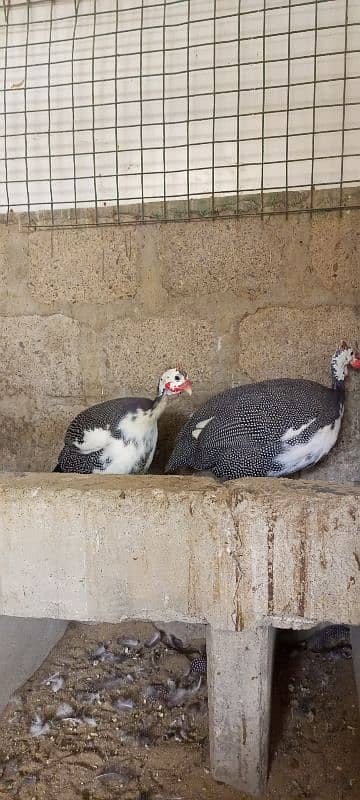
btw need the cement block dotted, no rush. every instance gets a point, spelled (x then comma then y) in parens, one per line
(294, 342)
(137, 351)
(78, 266)
(40, 354)
(334, 248)
(269, 260)
(249, 257)
(32, 430)
(25, 643)
(239, 695)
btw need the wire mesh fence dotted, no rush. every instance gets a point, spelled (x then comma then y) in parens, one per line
(116, 111)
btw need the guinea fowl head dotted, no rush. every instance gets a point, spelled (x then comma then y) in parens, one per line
(344, 357)
(173, 382)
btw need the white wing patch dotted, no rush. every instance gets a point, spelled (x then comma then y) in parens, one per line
(291, 433)
(95, 439)
(298, 456)
(200, 427)
(121, 458)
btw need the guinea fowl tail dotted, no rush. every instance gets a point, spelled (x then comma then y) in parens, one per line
(57, 468)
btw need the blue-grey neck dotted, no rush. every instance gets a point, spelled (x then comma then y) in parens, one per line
(337, 384)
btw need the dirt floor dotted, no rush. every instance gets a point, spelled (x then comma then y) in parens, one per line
(108, 724)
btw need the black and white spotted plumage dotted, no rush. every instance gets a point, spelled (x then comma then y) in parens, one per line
(272, 428)
(119, 436)
(105, 416)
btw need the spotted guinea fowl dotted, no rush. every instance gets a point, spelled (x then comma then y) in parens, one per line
(271, 428)
(119, 436)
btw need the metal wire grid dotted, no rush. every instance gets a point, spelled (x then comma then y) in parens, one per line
(180, 167)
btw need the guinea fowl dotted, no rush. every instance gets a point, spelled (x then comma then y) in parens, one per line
(272, 428)
(119, 436)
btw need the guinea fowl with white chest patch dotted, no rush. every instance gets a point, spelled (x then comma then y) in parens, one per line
(119, 436)
(270, 429)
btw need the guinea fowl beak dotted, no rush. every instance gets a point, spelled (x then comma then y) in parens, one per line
(187, 387)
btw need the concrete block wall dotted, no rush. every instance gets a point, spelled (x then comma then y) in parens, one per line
(90, 314)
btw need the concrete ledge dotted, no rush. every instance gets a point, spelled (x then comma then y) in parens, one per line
(25, 643)
(243, 557)
(179, 548)
(299, 546)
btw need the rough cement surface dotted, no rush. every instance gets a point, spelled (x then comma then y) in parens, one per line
(239, 709)
(87, 315)
(110, 549)
(101, 266)
(130, 344)
(177, 548)
(289, 349)
(298, 551)
(41, 354)
(263, 260)
(25, 643)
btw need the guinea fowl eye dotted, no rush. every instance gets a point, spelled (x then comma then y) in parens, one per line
(177, 377)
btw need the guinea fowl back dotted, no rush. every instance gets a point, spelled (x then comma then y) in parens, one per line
(262, 411)
(105, 415)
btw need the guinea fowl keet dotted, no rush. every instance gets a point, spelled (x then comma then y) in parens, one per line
(119, 436)
(272, 428)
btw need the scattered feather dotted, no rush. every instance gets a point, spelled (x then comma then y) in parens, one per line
(64, 710)
(110, 776)
(154, 639)
(125, 641)
(87, 698)
(108, 657)
(30, 780)
(116, 773)
(181, 695)
(174, 643)
(10, 768)
(113, 683)
(74, 721)
(99, 651)
(38, 726)
(90, 721)
(156, 693)
(55, 681)
(144, 739)
(124, 704)
(198, 666)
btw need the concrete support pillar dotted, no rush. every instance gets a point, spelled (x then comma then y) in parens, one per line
(355, 643)
(25, 643)
(239, 691)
